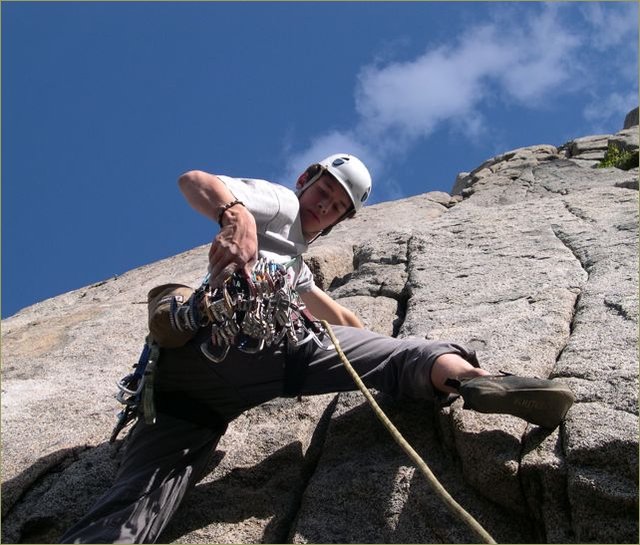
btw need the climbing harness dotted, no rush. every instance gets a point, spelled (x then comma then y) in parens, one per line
(453, 506)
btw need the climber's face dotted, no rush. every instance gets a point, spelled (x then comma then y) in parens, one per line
(322, 205)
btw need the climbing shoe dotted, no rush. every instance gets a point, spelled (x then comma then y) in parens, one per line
(539, 401)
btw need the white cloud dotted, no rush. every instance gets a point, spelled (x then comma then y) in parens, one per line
(414, 96)
(613, 25)
(613, 33)
(524, 62)
(545, 57)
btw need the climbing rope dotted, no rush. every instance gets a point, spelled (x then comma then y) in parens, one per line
(453, 506)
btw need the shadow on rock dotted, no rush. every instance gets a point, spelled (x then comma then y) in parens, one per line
(45, 499)
(265, 491)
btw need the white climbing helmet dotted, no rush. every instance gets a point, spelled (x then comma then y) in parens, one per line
(348, 170)
(353, 176)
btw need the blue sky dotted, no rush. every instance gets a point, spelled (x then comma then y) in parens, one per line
(104, 105)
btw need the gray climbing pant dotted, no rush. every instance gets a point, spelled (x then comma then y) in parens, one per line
(163, 461)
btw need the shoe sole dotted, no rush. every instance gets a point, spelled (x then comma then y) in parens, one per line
(539, 401)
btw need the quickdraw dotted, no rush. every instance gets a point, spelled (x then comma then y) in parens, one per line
(136, 389)
(248, 312)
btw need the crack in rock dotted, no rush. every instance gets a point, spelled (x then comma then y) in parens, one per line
(310, 463)
(576, 212)
(566, 241)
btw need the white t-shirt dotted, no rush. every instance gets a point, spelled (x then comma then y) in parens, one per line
(277, 213)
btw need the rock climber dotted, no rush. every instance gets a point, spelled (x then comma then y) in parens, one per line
(197, 396)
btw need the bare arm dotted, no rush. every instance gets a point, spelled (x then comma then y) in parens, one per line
(323, 307)
(236, 245)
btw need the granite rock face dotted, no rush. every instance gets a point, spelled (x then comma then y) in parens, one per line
(533, 263)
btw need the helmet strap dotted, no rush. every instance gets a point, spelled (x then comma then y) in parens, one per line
(347, 215)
